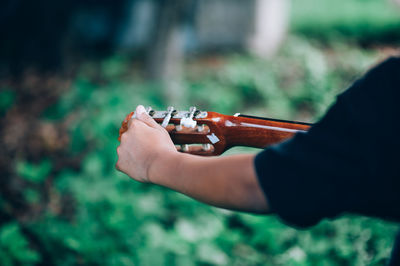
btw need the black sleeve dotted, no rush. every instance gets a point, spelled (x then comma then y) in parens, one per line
(344, 163)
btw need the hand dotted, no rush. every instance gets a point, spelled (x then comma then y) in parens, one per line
(142, 145)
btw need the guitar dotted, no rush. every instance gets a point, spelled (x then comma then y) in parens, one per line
(210, 133)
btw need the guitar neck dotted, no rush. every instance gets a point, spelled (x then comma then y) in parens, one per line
(211, 133)
(258, 132)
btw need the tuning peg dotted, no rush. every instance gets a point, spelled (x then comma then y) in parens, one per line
(149, 111)
(206, 147)
(196, 113)
(168, 116)
(192, 109)
(188, 121)
(185, 147)
(200, 128)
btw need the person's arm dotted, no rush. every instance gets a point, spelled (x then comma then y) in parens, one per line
(147, 154)
(229, 182)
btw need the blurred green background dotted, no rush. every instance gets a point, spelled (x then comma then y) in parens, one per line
(63, 203)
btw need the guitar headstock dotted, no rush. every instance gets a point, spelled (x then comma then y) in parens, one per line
(193, 131)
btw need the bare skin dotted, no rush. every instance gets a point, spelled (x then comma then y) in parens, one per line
(147, 154)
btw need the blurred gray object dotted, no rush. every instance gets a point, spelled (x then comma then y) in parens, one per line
(258, 26)
(167, 30)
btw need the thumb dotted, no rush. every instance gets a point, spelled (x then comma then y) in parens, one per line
(144, 117)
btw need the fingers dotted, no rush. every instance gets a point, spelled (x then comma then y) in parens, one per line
(145, 118)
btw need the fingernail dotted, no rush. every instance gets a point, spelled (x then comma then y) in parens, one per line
(140, 110)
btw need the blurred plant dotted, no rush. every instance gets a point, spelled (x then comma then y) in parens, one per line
(14, 247)
(64, 202)
(363, 21)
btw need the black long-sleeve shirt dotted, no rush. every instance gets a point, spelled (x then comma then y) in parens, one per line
(348, 162)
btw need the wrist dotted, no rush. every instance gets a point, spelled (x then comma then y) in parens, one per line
(164, 166)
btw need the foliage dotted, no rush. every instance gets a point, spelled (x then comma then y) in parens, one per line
(32, 172)
(90, 214)
(6, 99)
(111, 220)
(364, 21)
(14, 247)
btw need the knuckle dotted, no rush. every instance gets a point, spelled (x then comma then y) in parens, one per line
(148, 119)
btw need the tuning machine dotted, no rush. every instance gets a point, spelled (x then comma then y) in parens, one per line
(188, 121)
(150, 111)
(185, 147)
(206, 147)
(169, 114)
(200, 128)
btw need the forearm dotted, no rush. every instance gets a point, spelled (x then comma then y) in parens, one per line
(229, 182)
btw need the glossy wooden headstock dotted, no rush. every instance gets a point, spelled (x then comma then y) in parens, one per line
(210, 133)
